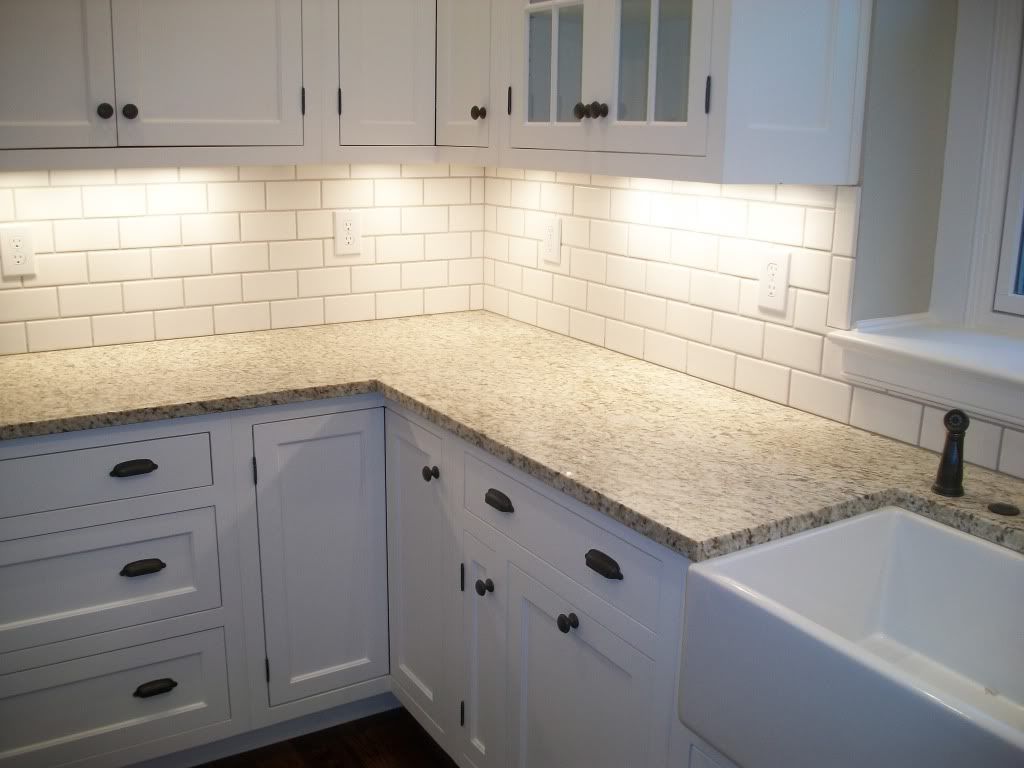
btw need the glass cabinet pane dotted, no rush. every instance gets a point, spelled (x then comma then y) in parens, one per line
(634, 59)
(672, 83)
(539, 68)
(570, 62)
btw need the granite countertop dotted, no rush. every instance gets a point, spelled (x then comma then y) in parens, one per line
(700, 468)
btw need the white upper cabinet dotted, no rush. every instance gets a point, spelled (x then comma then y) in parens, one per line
(464, 111)
(57, 82)
(386, 72)
(208, 72)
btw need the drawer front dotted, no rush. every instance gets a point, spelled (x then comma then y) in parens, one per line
(567, 541)
(74, 583)
(85, 707)
(90, 475)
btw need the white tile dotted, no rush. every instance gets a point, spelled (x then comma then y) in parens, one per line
(72, 333)
(617, 182)
(176, 198)
(631, 206)
(28, 304)
(510, 173)
(149, 231)
(810, 269)
(495, 246)
(58, 269)
(738, 334)
(81, 178)
(476, 191)
(605, 301)
(468, 271)
(209, 228)
(79, 300)
(688, 321)
(348, 194)
(811, 309)
(803, 194)
(268, 286)
(397, 192)
(296, 312)
(424, 170)
(662, 349)
(756, 192)
(570, 292)
(446, 192)
(510, 221)
(397, 248)
(114, 201)
(424, 274)
(522, 251)
(522, 308)
(451, 299)
(296, 254)
(609, 236)
(694, 249)
(652, 243)
(586, 327)
(742, 257)
(239, 196)
(6, 205)
(214, 289)
(266, 172)
(981, 445)
(587, 265)
(556, 198)
(567, 177)
(268, 226)
(48, 203)
(886, 415)
(399, 304)
(12, 339)
(715, 291)
(721, 216)
(525, 194)
(376, 277)
(24, 179)
(818, 228)
(712, 364)
(508, 276)
(668, 280)
(456, 169)
(762, 379)
(153, 294)
(184, 323)
(832, 360)
(376, 171)
(109, 266)
(179, 262)
(315, 224)
(536, 283)
(647, 311)
(42, 236)
(776, 223)
(627, 273)
(624, 338)
(553, 317)
(839, 291)
(676, 211)
(325, 282)
(498, 192)
(346, 309)
(465, 218)
(453, 245)
(823, 397)
(844, 242)
(238, 318)
(323, 171)
(240, 257)
(590, 202)
(292, 195)
(575, 232)
(424, 219)
(146, 175)
(1011, 456)
(795, 349)
(209, 173)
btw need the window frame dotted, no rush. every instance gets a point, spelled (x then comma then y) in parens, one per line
(1010, 270)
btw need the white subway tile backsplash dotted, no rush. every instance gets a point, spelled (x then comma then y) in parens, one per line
(776, 223)
(688, 321)
(648, 311)
(796, 349)
(445, 192)
(146, 175)
(153, 294)
(213, 289)
(48, 203)
(240, 196)
(6, 205)
(176, 198)
(375, 171)
(268, 226)
(209, 173)
(312, 224)
(668, 280)
(710, 363)
(46, 335)
(715, 291)
(123, 329)
(425, 219)
(737, 334)
(85, 234)
(586, 327)
(630, 206)
(113, 201)
(424, 274)
(624, 338)
(766, 380)
(345, 309)
(348, 194)
(818, 228)
(28, 304)
(82, 178)
(12, 339)
(80, 300)
(237, 318)
(180, 262)
(268, 286)
(296, 312)
(448, 246)
(522, 308)
(823, 397)
(266, 172)
(399, 304)
(296, 254)
(609, 236)
(452, 299)
(149, 231)
(605, 301)
(1011, 455)
(110, 266)
(58, 269)
(209, 228)
(325, 282)
(471, 272)
(590, 202)
(182, 323)
(241, 257)
(840, 288)
(292, 195)
(587, 265)
(665, 350)
(24, 179)
(379, 277)
(844, 241)
(322, 171)
(553, 317)
(886, 415)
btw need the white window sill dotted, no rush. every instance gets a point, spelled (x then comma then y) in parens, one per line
(980, 372)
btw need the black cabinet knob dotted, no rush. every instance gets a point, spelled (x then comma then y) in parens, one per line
(483, 587)
(565, 623)
(478, 113)
(431, 473)
(597, 109)
(130, 111)
(105, 110)
(581, 110)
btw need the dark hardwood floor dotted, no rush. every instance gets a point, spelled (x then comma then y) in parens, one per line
(388, 740)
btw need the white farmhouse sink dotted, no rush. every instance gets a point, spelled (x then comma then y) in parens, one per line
(883, 640)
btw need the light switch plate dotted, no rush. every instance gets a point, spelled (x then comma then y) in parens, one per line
(348, 233)
(17, 256)
(774, 280)
(551, 244)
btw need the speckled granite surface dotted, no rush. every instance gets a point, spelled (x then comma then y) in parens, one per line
(699, 468)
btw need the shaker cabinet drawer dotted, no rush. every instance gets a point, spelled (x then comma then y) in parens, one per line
(64, 585)
(85, 707)
(105, 473)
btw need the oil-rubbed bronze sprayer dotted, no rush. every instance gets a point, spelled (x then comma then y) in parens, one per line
(949, 481)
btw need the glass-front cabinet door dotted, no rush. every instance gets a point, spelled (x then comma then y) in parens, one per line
(611, 75)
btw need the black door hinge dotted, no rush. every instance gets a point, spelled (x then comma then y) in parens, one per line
(255, 474)
(339, 101)
(303, 99)
(266, 663)
(462, 713)
(462, 577)
(510, 99)
(707, 95)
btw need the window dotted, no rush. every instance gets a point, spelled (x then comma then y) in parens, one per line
(1009, 296)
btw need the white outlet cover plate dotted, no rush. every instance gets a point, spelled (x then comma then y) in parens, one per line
(348, 233)
(774, 281)
(17, 255)
(551, 244)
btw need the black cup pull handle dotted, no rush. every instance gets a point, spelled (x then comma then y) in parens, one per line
(155, 688)
(603, 564)
(133, 467)
(483, 587)
(143, 567)
(499, 501)
(565, 623)
(430, 473)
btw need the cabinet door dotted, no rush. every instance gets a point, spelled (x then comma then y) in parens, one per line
(386, 72)
(419, 560)
(482, 737)
(208, 72)
(57, 62)
(576, 697)
(464, 73)
(321, 511)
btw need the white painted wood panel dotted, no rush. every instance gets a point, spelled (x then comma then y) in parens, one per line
(322, 530)
(58, 67)
(84, 707)
(209, 72)
(79, 477)
(464, 73)
(386, 72)
(69, 584)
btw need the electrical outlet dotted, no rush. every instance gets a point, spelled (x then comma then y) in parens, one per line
(348, 233)
(774, 281)
(551, 244)
(17, 256)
